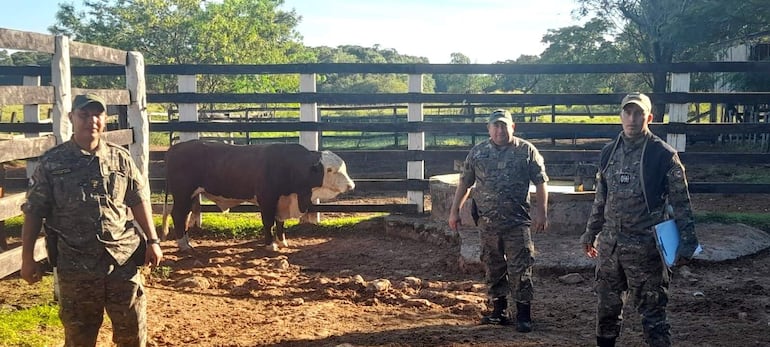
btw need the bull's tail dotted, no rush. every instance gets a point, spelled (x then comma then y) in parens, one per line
(164, 228)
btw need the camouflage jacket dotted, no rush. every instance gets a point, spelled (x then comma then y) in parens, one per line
(502, 176)
(83, 198)
(637, 180)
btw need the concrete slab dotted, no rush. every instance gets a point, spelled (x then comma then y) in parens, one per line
(721, 242)
(560, 254)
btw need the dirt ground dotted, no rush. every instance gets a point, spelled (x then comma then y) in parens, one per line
(362, 287)
(365, 288)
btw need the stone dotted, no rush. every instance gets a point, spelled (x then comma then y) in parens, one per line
(571, 278)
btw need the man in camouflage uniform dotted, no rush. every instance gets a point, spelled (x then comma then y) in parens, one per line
(80, 192)
(502, 169)
(639, 176)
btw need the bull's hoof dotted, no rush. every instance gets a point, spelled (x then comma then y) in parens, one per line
(273, 247)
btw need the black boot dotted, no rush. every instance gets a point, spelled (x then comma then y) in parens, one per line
(499, 316)
(605, 341)
(523, 317)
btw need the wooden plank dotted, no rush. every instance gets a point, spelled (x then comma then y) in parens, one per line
(188, 112)
(10, 261)
(23, 148)
(136, 112)
(120, 137)
(10, 205)
(523, 129)
(26, 127)
(97, 53)
(728, 188)
(61, 79)
(223, 69)
(738, 158)
(505, 99)
(111, 96)
(26, 95)
(549, 156)
(26, 41)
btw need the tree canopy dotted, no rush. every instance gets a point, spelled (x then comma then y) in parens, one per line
(262, 32)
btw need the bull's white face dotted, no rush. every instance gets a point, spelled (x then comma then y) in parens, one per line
(336, 179)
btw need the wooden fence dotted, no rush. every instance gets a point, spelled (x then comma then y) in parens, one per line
(409, 108)
(60, 93)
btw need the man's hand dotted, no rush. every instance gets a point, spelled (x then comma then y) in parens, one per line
(454, 220)
(540, 222)
(30, 271)
(154, 255)
(590, 250)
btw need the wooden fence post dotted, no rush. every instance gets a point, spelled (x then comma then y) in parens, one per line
(415, 169)
(309, 113)
(31, 115)
(62, 89)
(187, 112)
(677, 113)
(137, 112)
(3, 235)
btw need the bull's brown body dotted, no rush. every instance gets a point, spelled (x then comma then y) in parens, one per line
(263, 172)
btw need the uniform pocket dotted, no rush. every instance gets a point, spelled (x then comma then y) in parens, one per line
(118, 184)
(67, 191)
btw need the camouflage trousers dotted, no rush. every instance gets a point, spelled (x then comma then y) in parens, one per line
(630, 267)
(84, 297)
(508, 255)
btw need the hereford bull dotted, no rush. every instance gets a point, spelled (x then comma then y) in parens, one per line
(283, 179)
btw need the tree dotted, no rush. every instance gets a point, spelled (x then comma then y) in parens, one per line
(462, 83)
(366, 83)
(666, 31)
(193, 32)
(521, 83)
(586, 44)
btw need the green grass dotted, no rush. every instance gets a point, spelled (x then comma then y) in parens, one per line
(35, 326)
(29, 316)
(248, 225)
(757, 220)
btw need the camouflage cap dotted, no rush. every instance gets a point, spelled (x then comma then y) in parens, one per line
(640, 99)
(84, 100)
(500, 115)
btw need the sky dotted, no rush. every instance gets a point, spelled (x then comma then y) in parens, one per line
(486, 31)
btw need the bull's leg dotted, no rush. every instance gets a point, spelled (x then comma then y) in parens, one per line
(280, 233)
(268, 208)
(195, 213)
(179, 216)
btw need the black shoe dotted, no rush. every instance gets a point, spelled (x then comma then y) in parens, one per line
(523, 317)
(496, 320)
(523, 327)
(605, 341)
(499, 316)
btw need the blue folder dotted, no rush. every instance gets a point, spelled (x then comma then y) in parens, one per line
(667, 238)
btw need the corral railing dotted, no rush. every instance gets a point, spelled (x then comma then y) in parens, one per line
(45, 135)
(417, 157)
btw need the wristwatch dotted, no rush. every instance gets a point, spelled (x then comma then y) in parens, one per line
(153, 241)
